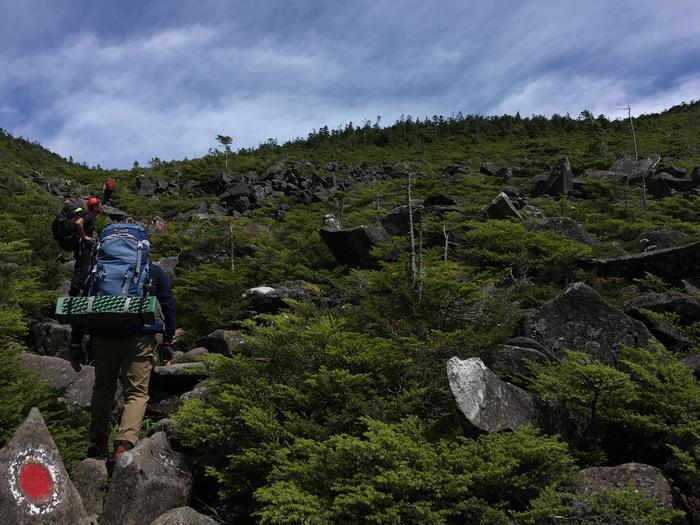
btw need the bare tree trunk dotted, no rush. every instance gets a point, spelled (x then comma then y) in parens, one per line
(231, 246)
(412, 237)
(634, 135)
(421, 263)
(447, 240)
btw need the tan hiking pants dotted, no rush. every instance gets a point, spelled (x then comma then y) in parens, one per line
(132, 357)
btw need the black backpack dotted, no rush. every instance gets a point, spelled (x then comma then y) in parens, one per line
(63, 227)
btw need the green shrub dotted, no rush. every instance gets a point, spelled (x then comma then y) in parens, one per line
(393, 474)
(21, 390)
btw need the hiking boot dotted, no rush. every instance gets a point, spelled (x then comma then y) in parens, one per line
(98, 448)
(121, 446)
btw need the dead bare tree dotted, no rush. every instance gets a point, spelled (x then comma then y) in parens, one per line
(411, 234)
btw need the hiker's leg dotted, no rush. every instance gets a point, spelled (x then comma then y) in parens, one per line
(81, 270)
(136, 374)
(107, 365)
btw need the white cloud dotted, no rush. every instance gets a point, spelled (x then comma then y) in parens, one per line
(556, 94)
(166, 90)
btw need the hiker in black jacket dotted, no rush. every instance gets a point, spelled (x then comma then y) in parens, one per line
(84, 227)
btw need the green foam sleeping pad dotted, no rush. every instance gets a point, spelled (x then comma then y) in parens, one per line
(108, 311)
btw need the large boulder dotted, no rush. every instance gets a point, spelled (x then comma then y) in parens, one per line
(148, 481)
(91, 480)
(34, 485)
(168, 265)
(559, 182)
(657, 239)
(49, 338)
(397, 221)
(143, 186)
(565, 226)
(221, 341)
(648, 480)
(183, 516)
(685, 306)
(270, 299)
(579, 319)
(178, 378)
(501, 208)
(693, 362)
(489, 404)
(671, 264)
(603, 176)
(635, 170)
(74, 388)
(511, 361)
(352, 246)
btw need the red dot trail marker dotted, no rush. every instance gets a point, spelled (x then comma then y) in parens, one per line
(35, 481)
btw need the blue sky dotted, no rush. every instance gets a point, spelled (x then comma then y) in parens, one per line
(112, 82)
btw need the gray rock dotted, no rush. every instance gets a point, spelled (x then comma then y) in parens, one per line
(148, 481)
(183, 516)
(559, 182)
(685, 306)
(74, 388)
(501, 208)
(221, 341)
(182, 369)
(114, 214)
(396, 222)
(662, 239)
(648, 480)
(176, 379)
(168, 264)
(566, 226)
(635, 170)
(579, 319)
(191, 356)
(352, 246)
(664, 331)
(270, 299)
(489, 169)
(91, 479)
(671, 170)
(489, 404)
(673, 265)
(49, 338)
(695, 174)
(200, 391)
(510, 361)
(693, 362)
(143, 186)
(603, 176)
(34, 485)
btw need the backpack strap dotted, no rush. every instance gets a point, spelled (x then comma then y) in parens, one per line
(139, 252)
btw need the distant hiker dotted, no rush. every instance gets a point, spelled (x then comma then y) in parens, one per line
(107, 190)
(84, 230)
(83, 225)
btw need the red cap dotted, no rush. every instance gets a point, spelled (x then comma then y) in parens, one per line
(92, 203)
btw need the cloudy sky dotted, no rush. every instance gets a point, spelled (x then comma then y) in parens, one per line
(112, 82)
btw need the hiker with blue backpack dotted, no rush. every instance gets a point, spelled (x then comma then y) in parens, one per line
(124, 349)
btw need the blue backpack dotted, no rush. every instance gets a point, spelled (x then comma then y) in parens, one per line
(121, 267)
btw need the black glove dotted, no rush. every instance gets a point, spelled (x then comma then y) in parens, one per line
(165, 352)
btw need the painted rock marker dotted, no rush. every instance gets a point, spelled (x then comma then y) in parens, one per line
(34, 485)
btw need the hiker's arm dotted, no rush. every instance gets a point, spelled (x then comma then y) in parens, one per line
(80, 228)
(164, 294)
